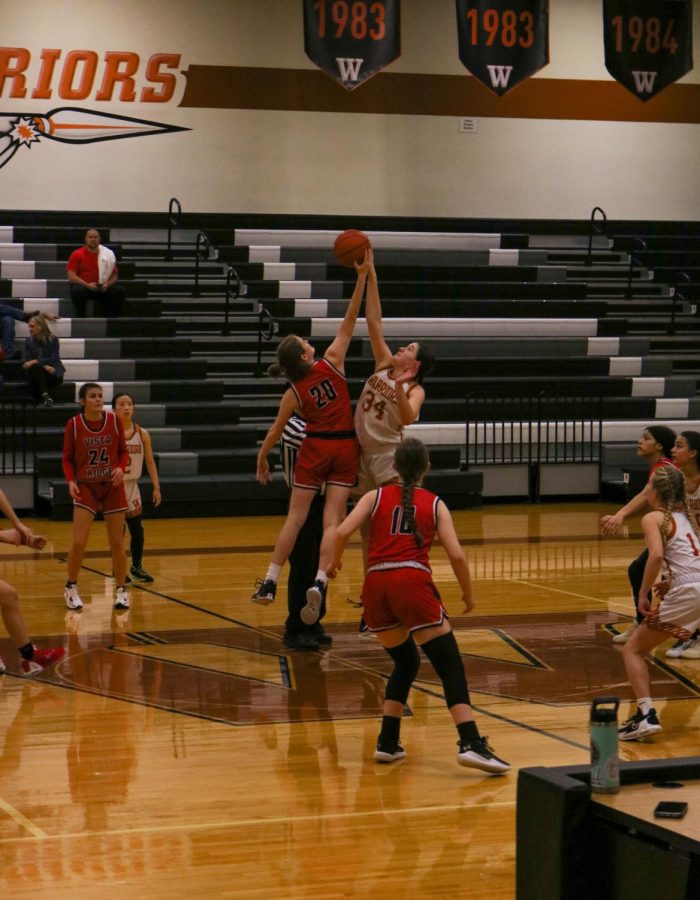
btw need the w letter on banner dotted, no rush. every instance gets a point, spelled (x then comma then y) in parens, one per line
(648, 43)
(503, 42)
(351, 40)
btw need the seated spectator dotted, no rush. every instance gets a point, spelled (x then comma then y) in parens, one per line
(92, 273)
(8, 316)
(41, 361)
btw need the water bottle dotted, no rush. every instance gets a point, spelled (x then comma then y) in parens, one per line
(605, 761)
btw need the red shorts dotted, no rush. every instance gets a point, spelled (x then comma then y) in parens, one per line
(101, 496)
(406, 596)
(325, 461)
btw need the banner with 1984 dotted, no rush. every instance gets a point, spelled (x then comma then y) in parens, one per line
(351, 40)
(648, 43)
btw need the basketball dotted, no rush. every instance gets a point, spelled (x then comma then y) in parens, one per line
(350, 247)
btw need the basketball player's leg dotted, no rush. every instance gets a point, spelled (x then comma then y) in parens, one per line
(115, 535)
(82, 523)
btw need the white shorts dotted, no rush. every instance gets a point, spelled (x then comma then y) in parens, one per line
(678, 612)
(376, 469)
(133, 498)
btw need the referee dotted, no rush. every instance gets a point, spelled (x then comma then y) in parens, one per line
(303, 560)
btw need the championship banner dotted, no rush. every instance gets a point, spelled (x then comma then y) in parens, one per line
(351, 40)
(648, 43)
(503, 42)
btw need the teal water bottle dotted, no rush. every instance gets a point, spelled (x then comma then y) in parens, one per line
(605, 760)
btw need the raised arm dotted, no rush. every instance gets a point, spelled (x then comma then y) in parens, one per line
(373, 312)
(336, 352)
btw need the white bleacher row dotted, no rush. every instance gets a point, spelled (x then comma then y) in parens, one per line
(459, 327)
(393, 240)
(614, 431)
(11, 253)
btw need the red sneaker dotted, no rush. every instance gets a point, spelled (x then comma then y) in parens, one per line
(41, 659)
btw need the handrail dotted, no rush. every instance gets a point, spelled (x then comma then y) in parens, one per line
(644, 247)
(685, 278)
(235, 288)
(512, 428)
(172, 220)
(202, 241)
(17, 437)
(593, 228)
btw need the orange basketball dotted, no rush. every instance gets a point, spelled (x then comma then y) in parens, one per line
(350, 247)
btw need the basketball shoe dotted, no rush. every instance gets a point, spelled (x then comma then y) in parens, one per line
(138, 573)
(389, 754)
(315, 596)
(265, 591)
(41, 659)
(639, 726)
(122, 600)
(478, 754)
(72, 597)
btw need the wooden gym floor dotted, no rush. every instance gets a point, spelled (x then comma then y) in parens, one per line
(183, 752)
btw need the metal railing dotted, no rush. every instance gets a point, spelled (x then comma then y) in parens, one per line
(681, 278)
(532, 429)
(593, 229)
(201, 244)
(17, 437)
(639, 244)
(267, 327)
(173, 221)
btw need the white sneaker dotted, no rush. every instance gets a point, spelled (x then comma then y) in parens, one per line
(478, 754)
(123, 600)
(624, 636)
(72, 597)
(691, 649)
(677, 649)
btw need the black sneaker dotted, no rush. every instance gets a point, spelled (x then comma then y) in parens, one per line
(138, 573)
(321, 635)
(478, 754)
(265, 592)
(389, 754)
(315, 596)
(639, 726)
(301, 641)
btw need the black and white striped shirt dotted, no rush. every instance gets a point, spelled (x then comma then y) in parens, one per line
(290, 442)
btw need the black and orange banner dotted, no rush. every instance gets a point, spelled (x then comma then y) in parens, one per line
(503, 42)
(648, 43)
(351, 40)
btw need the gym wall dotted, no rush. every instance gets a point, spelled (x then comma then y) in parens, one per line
(268, 132)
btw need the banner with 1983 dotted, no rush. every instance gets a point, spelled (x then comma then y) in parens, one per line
(503, 42)
(351, 40)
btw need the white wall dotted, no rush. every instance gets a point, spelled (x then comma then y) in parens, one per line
(257, 161)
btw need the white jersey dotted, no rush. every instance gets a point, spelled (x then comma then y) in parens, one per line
(682, 553)
(693, 501)
(377, 422)
(134, 445)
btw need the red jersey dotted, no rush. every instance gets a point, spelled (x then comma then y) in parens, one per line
(390, 540)
(92, 450)
(85, 265)
(324, 400)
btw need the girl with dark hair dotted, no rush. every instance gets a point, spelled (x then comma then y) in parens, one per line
(673, 544)
(329, 454)
(41, 361)
(654, 445)
(685, 456)
(402, 606)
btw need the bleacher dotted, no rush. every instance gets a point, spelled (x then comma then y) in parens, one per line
(509, 313)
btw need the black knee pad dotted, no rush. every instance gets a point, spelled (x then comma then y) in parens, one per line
(406, 664)
(445, 658)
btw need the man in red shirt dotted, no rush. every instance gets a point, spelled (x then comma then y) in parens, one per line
(92, 273)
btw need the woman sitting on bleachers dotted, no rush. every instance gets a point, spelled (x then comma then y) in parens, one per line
(41, 361)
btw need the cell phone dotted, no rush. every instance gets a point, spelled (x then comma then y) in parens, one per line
(670, 809)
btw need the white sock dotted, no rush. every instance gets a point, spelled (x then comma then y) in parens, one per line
(321, 576)
(645, 704)
(273, 572)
